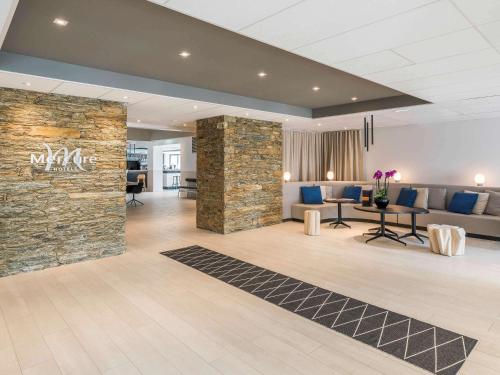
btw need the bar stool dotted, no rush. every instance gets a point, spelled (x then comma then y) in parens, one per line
(175, 182)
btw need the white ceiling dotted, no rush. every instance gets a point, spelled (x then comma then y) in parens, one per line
(443, 51)
(7, 9)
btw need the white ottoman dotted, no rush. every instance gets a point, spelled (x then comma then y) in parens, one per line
(446, 239)
(311, 222)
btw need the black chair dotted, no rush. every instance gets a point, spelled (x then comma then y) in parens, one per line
(135, 189)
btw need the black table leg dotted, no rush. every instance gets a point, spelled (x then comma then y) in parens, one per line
(413, 232)
(339, 220)
(377, 229)
(383, 232)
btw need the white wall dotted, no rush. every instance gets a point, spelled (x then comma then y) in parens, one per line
(445, 153)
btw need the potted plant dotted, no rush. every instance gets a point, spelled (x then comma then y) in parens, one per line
(382, 190)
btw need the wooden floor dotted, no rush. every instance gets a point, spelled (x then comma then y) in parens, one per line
(141, 313)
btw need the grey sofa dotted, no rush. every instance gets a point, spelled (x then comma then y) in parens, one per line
(483, 226)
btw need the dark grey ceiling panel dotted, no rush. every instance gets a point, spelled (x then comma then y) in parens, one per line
(369, 105)
(139, 38)
(22, 64)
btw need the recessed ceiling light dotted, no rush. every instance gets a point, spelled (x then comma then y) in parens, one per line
(138, 120)
(315, 88)
(247, 114)
(184, 54)
(195, 106)
(262, 74)
(125, 97)
(354, 98)
(27, 83)
(183, 124)
(60, 21)
(345, 127)
(287, 120)
(319, 124)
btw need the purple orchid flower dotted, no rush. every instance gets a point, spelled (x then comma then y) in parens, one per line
(378, 175)
(390, 173)
(382, 189)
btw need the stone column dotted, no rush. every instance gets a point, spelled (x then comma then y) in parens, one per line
(239, 164)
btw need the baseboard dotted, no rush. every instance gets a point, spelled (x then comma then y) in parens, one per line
(483, 237)
(361, 220)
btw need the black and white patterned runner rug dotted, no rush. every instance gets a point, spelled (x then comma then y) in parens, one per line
(421, 344)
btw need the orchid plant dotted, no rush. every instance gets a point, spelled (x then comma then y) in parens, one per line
(383, 189)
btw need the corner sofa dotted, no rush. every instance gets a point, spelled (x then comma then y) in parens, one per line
(482, 226)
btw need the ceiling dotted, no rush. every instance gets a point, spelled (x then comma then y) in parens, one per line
(444, 51)
(143, 39)
(160, 112)
(457, 70)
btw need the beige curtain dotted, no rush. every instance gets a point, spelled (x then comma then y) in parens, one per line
(343, 154)
(308, 156)
(302, 155)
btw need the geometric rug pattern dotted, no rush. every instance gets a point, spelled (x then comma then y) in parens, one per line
(431, 348)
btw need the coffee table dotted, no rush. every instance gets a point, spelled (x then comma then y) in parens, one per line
(415, 211)
(339, 202)
(382, 231)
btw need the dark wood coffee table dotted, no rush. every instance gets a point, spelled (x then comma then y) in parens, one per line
(339, 202)
(415, 211)
(382, 231)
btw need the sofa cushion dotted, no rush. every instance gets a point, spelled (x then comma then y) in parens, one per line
(463, 203)
(323, 192)
(437, 198)
(352, 192)
(407, 197)
(393, 193)
(482, 202)
(422, 198)
(493, 207)
(311, 194)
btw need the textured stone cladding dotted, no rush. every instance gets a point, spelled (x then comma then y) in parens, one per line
(239, 174)
(66, 214)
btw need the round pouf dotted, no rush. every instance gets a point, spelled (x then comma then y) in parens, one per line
(446, 239)
(311, 222)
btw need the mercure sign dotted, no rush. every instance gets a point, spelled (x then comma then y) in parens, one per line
(62, 160)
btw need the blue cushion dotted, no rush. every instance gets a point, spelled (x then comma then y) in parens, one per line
(311, 195)
(352, 192)
(407, 197)
(463, 203)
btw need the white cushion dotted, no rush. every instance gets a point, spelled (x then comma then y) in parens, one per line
(326, 191)
(323, 192)
(422, 198)
(366, 187)
(482, 202)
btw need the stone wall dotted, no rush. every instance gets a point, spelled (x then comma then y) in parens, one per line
(239, 174)
(61, 209)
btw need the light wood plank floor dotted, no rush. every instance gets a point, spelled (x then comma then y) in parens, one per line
(141, 313)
